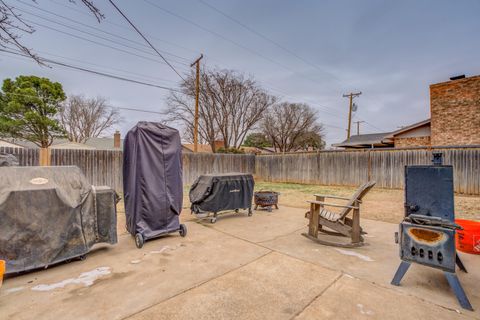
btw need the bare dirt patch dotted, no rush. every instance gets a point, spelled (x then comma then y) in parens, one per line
(379, 204)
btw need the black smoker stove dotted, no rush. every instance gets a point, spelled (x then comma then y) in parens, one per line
(427, 233)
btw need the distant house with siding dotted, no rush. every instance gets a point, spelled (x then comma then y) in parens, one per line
(365, 141)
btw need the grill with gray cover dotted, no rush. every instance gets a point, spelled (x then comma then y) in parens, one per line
(52, 214)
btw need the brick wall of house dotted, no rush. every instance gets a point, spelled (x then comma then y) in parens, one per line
(455, 112)
(412, 142)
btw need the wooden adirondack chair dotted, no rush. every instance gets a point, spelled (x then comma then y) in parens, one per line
(342, 225)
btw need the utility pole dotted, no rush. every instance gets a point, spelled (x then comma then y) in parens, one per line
(351, 96)
(197, 89)
(358, 126)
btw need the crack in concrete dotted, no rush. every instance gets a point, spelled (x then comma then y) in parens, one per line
(342, 272)
(198, 285)
(270, 251)
(317, 296)
(283, 235)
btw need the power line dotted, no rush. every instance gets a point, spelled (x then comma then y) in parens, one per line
(134, 109)
(95, 42)
(91, 34)
(90, 27)
(122, 26)
(146, 40)
(323, 108)
(334, 111)
(109, 106)
(106, 67)
(243, 25)
(116, 42)
(371, 125)
(120, 78)
(96, 72)
(226, 39)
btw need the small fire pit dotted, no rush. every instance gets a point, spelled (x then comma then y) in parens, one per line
(266, 200)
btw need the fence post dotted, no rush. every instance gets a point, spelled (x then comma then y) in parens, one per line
(369, 165)
(45, 157)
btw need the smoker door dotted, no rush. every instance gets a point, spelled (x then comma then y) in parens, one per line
(428, 245)
(429, 191)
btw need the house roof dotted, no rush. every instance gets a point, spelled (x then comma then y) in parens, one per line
(365, 141)
(9, 144)
(103, 143)
(21, 143)
(408, 128)
(91, 144)
(202, 148)
(256, 150)
(72, 145)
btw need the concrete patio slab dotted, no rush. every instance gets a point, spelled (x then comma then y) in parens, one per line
(352, 298)
(241, 267)
(273, 287)
(378, 261)
(129, 279)
(262, 225)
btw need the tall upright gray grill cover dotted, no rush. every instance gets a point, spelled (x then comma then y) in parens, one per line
(152, 179)
(51, 214)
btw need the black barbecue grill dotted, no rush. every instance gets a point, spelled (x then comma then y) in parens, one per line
(427, 233)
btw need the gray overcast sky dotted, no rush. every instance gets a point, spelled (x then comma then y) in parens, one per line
(389, 50)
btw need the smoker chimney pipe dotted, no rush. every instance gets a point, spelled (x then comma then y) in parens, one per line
(462, 76)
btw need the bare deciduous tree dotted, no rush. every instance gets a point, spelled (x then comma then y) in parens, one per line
(292, 127)
(230, 105)
(12, 25)
(85, 118)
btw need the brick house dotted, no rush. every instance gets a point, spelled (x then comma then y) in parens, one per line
(454, 120)
(415, 135)
(455, 112)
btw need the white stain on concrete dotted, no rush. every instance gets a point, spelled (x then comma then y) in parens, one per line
(86, 278)
(355, 254)
(161, 250)
(135, 261)
(13, 290)
(362, 310)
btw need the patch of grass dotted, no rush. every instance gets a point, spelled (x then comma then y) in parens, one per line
(302, 188)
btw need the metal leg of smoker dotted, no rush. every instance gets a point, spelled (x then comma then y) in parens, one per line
(458, 290)
(460, 263)
(402, 269)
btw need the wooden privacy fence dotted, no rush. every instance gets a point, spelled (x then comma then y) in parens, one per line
(352, 168)
(195, 164)
(104, 167)
(349, 168)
